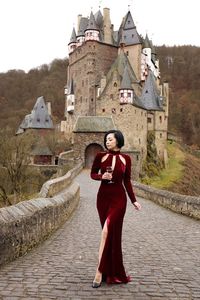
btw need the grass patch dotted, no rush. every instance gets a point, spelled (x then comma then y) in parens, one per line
(174, 170)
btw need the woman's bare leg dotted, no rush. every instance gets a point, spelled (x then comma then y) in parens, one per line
(98, 276)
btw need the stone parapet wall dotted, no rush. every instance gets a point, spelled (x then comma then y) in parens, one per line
(28, 223)
(183, 204)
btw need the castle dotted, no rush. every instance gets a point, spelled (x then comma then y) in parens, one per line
(114, 82)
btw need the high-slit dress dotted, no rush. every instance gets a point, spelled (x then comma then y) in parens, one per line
(111, 206)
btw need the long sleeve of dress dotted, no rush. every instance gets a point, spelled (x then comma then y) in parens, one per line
(127, 180)
(96, 167)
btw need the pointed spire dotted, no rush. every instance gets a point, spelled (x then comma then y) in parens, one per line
(147, 43)
(150, 95)
(73, 36)
(128, 30)
(99, 18)
(126, 81)
(92, 23)
(82, 26)
(71, 87)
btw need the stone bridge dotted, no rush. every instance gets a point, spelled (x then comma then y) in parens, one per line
(161, 253)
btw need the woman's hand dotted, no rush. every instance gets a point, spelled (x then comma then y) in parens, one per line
(137, 205)
(107, 176)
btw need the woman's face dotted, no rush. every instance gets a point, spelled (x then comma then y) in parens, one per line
(111, 142)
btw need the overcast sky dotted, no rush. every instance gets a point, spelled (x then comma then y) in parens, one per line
(34, 32)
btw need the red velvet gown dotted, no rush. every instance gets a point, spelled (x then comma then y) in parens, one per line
(111, 206)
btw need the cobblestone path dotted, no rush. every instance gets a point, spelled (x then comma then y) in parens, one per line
(161, 251)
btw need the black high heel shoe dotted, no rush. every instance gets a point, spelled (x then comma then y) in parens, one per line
(96, 284)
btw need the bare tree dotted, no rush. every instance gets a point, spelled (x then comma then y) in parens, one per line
(14, 161)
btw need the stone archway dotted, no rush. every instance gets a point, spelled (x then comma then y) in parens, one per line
(90, 153)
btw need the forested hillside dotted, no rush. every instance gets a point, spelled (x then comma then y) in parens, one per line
(19, 91)
(180, 66)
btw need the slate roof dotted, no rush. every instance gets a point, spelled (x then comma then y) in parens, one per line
(93, 124)
(150, 97)
(73, 36)
(41, 150)
(119, 65)
(71, 87)
(82, 26)
(38, 118)
(99, 19)
(92, 23)
(128, 31)
(146, 42)
(126, 81)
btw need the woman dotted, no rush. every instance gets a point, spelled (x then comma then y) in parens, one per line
(111, 206)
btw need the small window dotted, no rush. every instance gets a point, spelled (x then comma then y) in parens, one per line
(92, 99)
(160, 119)
(113, 110)
(132, 35)
(127, 53)
(137, 157)
(129, 95)
(146, 92)
(129, 21)
(121, 109)
(139, 141)
(122, 95)
(111, 96)
(160, 135)
(149, 120)
(103, 109)
(115, 84)
(38, 119)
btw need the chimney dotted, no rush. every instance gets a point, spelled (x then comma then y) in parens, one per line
(78, 23)
(49, 108)
(107, 26)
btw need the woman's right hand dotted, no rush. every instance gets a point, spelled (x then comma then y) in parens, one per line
(107, 176)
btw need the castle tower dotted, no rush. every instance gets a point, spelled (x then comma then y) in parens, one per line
(82, 25)
(73, 42)
(133, 44)
(126, 90)
(92, 31)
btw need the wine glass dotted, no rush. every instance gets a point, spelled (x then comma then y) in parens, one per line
(109, 169)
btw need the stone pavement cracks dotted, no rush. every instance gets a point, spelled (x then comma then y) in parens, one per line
(161, 252)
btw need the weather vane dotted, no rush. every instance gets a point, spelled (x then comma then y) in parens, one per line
(130, 4)
(100, 3)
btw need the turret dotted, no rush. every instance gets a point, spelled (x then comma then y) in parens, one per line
(82, 25)
(92, 31)
(126, 90)
(73, 42)
(70, 98)
(147, 50)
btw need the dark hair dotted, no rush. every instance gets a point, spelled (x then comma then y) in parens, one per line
(118, 135)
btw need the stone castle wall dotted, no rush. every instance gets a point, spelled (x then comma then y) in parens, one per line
(27, 223)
